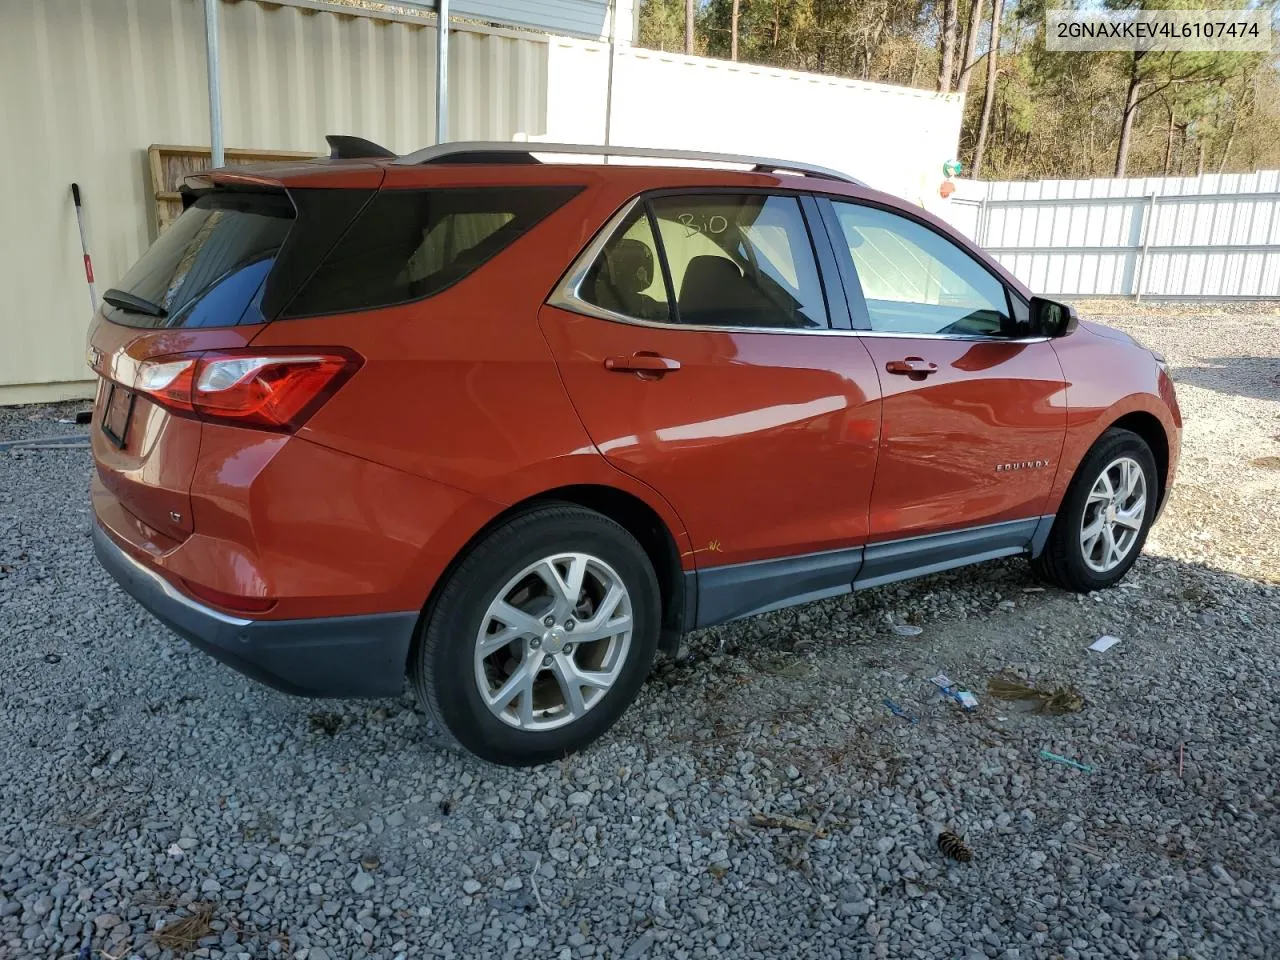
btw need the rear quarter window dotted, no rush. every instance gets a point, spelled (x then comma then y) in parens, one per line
(411, 244)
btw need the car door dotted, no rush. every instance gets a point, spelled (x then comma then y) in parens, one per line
(694, 338)
(974, 410)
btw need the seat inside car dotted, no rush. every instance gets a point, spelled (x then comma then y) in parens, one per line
(715, 291)
(620, 278)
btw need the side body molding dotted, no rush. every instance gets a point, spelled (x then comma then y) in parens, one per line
(738, 590)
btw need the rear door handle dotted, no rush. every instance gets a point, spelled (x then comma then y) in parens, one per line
(917, 368)
(642, 363)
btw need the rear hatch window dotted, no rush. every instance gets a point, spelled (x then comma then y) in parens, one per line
(209, 268)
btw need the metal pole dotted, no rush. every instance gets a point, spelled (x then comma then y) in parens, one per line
(608, 94)
(442, 71)
(84, 245)
(215, 90)
(1140, 268)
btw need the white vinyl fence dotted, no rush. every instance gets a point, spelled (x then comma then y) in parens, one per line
(1211, 237)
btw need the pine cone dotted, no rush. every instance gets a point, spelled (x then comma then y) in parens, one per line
(953, 846)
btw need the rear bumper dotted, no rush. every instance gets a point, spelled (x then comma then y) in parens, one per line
(358, 656)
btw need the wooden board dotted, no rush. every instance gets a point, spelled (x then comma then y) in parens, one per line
(170, 165)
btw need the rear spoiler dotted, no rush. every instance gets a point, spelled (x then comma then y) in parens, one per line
(197, 185)
(281, 174)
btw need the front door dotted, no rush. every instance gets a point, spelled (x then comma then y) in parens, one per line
(974, 413)
(711, 375)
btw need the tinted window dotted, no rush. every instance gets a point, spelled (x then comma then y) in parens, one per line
(207, 267)
(409, 244)
(740, 261)
(917, 281)
(626, 278)
(324, 214)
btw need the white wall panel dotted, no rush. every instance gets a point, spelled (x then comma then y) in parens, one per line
(1200, 237)
(895, 138)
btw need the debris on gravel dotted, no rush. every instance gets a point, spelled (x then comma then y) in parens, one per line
(758, 800)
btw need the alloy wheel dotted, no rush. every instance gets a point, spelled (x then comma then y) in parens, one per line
(553, 641)
(1113, 515)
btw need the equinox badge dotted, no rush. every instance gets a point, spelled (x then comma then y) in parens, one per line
(1022, 465)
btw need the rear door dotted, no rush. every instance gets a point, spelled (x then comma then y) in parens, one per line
(696, 343)
(974, 410)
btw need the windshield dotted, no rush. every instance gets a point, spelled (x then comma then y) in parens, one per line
(224, 243)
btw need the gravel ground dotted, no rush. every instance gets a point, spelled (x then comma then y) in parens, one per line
(142, 785)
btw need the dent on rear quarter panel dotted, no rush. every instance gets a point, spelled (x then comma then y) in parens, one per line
(1106, 379)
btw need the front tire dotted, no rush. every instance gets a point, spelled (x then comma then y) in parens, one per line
(540, 638)
(1105, 516)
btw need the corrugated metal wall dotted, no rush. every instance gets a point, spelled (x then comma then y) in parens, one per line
(574, 17)
(1215, 236)
(88, 85)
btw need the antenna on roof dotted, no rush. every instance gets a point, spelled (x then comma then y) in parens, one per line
(356, 148)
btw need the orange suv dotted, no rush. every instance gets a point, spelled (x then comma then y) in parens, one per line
(508, 427)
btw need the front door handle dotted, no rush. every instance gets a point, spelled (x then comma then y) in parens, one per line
(651, 364)
(917, 368)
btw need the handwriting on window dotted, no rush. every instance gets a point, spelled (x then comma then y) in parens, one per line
(700, 223)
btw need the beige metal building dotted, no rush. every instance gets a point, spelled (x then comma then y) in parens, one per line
(89, 87)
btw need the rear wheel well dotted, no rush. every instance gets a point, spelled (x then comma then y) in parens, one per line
(643, 523)
(629, 512)
(1150, 429)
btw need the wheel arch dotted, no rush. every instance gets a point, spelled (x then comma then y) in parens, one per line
(630, 512)
(1139, 413)
(1148, 426)
(1060, 560)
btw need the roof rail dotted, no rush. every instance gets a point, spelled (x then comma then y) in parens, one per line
(501, 151)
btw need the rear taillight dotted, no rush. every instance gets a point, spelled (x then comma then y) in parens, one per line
(264, 389)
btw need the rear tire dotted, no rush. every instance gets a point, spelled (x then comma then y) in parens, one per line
(540, 638)
(1105, 516)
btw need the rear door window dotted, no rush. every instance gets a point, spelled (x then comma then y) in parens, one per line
(626, 279)
(741, 260)
(731, 260)
(411, 244)
(207, 268)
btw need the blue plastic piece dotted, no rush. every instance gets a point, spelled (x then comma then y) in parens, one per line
(897, 711)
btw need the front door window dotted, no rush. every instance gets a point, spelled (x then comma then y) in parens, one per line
(915, 281)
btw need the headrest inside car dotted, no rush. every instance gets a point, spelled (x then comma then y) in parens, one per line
(630, 266)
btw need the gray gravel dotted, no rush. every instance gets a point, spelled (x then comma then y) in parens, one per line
(139, 780)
